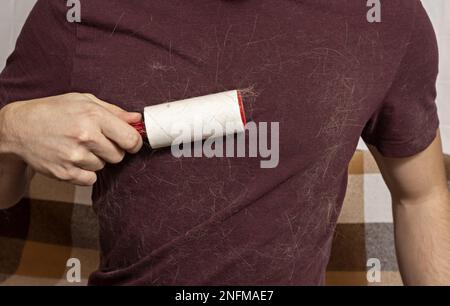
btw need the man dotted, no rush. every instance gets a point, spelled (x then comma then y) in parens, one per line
(319, 68)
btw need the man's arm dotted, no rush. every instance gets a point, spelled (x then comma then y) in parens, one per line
(68, 137)
(15, 177)
(421, 207)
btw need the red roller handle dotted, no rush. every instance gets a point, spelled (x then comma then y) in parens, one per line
(140, 127)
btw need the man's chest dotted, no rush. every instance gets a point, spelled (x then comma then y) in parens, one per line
(320, 81)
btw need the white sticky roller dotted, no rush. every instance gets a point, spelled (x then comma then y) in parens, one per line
(194, 119)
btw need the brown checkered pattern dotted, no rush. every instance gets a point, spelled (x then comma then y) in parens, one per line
(39, 235)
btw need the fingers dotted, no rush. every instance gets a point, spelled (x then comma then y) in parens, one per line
(121, 133)
(91, 163)
(71, 174)
(82, 177)
(115, 125)
(106, 150)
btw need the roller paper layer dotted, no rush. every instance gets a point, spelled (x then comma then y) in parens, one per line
(194, 119)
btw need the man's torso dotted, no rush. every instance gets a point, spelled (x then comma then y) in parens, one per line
(319, 69)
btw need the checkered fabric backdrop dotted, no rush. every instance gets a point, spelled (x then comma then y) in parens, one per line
(56, 222)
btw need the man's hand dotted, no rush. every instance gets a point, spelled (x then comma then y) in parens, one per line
(68, 137)
(421, 205)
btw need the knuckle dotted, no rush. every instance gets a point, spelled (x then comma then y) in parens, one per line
(61, 175)
(99, 166)
(117, 158)
(93, 114)
(85, 136)
(88, 180)
(132, 141)
(92, 180)
(85, 131)
(76, 156)
(72, 174)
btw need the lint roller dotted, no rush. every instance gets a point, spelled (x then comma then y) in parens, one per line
(193, 119)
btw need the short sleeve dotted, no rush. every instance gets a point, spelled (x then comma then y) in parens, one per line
(41, 62)
(407, 121)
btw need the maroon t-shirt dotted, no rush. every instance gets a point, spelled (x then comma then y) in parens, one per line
(319, 68)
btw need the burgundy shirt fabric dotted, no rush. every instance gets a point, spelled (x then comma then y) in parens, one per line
(317, 67)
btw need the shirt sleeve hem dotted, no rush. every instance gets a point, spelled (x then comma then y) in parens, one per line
(407, 148)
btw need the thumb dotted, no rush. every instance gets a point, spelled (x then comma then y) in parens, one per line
(129, 117)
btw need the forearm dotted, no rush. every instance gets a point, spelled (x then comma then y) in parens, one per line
(14, 173)
(422, 235)
(14, 180)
